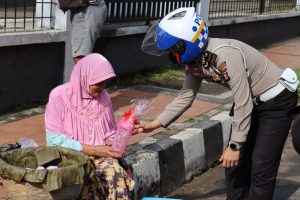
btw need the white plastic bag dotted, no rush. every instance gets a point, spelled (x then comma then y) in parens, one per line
(27, 142)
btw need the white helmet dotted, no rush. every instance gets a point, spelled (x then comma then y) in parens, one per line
(182, 33)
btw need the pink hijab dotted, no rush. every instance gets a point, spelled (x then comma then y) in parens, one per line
(73, 112)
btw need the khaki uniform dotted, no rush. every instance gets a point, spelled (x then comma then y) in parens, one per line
(249, 72)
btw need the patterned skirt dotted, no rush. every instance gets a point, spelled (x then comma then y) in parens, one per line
(111, 182)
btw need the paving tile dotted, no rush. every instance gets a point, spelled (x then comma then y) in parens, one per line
(122, 104)
(285, 54)
(283, 60)
(295, 63)
(289, 50)
(32, 127)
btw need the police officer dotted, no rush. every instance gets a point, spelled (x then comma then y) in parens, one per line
(263, 95)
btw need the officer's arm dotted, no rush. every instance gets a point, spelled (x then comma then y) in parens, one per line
(240, 89)
(182, 102)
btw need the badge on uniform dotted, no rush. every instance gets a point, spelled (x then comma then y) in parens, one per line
(223, 70)
(208, 59)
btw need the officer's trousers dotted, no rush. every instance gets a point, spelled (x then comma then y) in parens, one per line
(255, 176)
(295, 130)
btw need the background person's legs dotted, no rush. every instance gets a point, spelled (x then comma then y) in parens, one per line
(77, 58)
(87, 24)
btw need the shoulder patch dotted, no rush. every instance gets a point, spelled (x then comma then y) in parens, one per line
(223, 70)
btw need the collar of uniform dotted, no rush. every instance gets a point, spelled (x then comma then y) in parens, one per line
(209, 45)
(197, 69)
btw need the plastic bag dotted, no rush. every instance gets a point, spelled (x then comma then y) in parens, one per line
(27, 142)
(126, 124)
(9, 147)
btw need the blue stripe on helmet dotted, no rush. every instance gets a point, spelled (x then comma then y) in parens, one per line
(192, 51)
(164, 39)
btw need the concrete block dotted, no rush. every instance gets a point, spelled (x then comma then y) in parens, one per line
(147, 141)
(225, 120)
(133, 148)
(213, 140)
(295, 195)
(193, 150)
(171, 163)
(146, 173)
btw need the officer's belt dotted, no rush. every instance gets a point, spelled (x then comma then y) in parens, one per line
(269, 94)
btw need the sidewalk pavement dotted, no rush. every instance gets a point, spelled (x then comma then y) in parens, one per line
(286, 53)
(165, 159)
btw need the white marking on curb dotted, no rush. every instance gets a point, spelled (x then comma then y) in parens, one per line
(193, 150)
(147, 141)
(145, 171)
(295, 195)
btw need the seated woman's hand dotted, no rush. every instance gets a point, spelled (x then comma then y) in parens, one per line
(106, 151)
(101, 151)
(109, 142)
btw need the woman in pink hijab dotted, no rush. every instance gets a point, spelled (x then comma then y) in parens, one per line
(79, 115)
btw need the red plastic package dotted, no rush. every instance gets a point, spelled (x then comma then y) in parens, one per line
(127, 123)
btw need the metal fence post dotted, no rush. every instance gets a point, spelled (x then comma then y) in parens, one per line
(268, 5)
(202, 9)
(262, 6)
(297, 4)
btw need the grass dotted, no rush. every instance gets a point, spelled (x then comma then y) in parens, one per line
(151, 77)
(297, 70)
(164, 74)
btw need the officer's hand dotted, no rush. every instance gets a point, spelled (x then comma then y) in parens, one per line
(230, 158)
(145, 126)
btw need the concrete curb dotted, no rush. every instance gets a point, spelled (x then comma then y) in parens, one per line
(165, 161)
(4, 119)
(295, 195)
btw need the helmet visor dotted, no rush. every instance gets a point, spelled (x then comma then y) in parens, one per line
(149, 43)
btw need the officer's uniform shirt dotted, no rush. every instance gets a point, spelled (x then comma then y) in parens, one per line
(243, 69)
